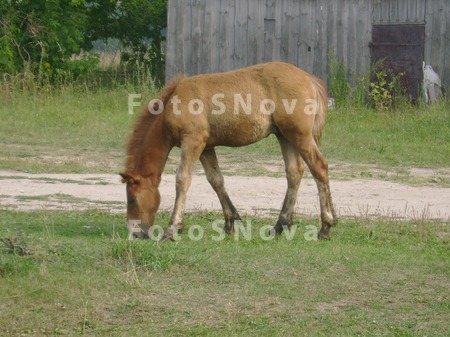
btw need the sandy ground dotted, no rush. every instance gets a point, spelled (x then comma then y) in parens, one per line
(251, 195)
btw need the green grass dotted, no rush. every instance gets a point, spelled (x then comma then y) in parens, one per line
(77, 129)
(411, 136)
(73, 129)
(79, 276)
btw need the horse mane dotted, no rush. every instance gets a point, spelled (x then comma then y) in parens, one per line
(143, 124)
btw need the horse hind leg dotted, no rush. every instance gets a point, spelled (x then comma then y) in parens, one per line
(215, 178)
(294, 173)
(318, 166)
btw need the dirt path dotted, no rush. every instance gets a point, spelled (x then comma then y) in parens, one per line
(251, 195)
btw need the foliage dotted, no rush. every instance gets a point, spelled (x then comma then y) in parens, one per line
(139, 25)
(385, 86)
(41, 36)
(379, 88)
(84, 65)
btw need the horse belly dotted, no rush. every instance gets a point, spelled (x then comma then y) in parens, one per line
(238, 130)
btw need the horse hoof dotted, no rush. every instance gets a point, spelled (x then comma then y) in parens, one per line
(134, 236)
(166, 238)
(272, 232)
(323, 235)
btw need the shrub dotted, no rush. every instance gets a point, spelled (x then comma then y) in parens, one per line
(379, 88)
(385, 87)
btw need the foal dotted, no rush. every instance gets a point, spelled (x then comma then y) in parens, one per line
(234, 108)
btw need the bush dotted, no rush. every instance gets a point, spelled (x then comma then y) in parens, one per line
(385, 87)
(75, 69)
(379, 88)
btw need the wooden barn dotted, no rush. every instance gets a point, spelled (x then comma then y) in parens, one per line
(218, 35)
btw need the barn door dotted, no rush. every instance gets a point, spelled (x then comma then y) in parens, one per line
(401, 46)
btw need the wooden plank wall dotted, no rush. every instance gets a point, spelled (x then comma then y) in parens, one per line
(212, 36)
(435, 14)
(437, 38)
(398, 11)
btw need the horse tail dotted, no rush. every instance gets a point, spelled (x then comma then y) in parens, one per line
(321, 112)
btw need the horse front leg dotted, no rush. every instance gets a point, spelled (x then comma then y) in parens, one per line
(294, 173)
(215, 178)
(190, 153)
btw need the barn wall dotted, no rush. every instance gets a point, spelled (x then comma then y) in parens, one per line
(437, 38)
(212, 36)
(399, 11)
(435, 14)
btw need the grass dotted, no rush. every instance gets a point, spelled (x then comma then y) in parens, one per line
(81, 277)
(76, 129)
(64, 131)
(412, 136)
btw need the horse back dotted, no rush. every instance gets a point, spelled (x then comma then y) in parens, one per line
(240, 107)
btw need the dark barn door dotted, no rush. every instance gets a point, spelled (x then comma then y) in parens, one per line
(401, 46)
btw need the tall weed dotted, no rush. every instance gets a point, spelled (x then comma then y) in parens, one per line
(85, 74)
(339, 82)
(379, 88)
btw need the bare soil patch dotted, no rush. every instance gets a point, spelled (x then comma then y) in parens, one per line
(260, 195)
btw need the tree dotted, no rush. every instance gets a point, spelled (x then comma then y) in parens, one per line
(40, 36)
(138, 24)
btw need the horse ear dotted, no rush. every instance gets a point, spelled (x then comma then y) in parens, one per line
(128, 178)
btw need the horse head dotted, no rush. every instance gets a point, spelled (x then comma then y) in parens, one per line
(143, 200)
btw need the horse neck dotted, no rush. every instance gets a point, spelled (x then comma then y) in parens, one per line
(154, 152)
